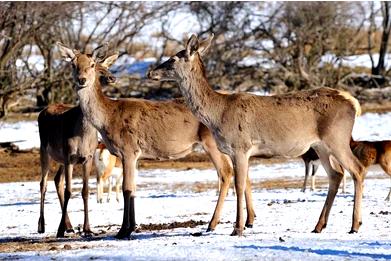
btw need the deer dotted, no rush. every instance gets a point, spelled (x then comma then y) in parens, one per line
(108, 169)
(285, 125)
(134, 129)
(67, 138)
(312, 162)
(369, 153)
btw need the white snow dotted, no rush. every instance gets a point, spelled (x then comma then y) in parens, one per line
(165, 196)
(281, 213)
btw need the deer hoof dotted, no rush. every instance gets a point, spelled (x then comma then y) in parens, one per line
(123, 233)
(353, 231)
(210, 229)
(237, 232)
(249, 225)
(41, 225)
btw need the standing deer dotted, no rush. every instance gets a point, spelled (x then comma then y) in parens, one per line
(108, 169)
(286, 125)
(374, 152)
(135, 128)
(68, 138)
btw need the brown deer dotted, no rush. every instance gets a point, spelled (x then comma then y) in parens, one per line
(285, 125)
(67, 138)
(135, 128)
(374, 152)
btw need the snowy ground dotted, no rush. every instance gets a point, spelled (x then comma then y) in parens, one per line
(285, 216)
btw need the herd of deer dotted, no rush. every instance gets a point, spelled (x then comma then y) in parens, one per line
(315, 124)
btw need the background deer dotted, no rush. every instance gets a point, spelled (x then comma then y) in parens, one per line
(108, 170)
(312, 162)
(68, 138)
(135, 128)
(369, 153)
(284, 125)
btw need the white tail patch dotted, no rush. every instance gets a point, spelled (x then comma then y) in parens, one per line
(353, 101)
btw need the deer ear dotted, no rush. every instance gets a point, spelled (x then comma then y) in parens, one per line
(66, 53)
(192, 45)
(204, 45)
(107, 62)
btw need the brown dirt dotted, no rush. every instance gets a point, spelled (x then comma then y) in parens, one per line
(78, 241)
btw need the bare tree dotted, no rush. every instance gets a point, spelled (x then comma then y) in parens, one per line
(379, 69)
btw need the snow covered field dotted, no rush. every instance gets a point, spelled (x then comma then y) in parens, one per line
(285, 218)
(282, 229)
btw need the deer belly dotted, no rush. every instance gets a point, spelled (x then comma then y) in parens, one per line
(284, 150)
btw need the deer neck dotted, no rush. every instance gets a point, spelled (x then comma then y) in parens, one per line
(94, 104)
(203, 101)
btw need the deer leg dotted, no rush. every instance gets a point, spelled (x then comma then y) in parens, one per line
(110, 181)
(99, 184)
(117, 184)
(44, 158)
(240, 162)
(307, 165)
(249, 203)
(85, 194)
(345, 157)
(59, 183)
(67, 196)
(344, 184)
(224, 170)
(388, 196)
(129, 163)
(315, 167)
(335, 175)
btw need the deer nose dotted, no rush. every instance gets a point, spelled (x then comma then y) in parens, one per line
(82, 81)
(111, 78)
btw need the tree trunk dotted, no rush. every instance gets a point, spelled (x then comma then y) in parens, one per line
(380, 68)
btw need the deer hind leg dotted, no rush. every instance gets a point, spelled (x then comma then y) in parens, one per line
(335, 174)
(344, 183)
(389, 195)
(44, 158)
(99, 184)
(59, 183)
(249, 203)
(315, 167)
(67, 196)
(117, 185)
(110, 183)
(385, 163)
(307, 165)
(87, 166)
(240, 162)
(129, 163)
(345, 157)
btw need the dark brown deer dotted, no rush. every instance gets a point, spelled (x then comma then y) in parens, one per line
(283, 125)
(135, 128)
(67, 138)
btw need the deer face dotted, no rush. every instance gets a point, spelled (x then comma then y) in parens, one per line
(182, 63)
(87, 68)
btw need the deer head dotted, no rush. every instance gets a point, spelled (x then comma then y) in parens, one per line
(86, 67)
(183, 62)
